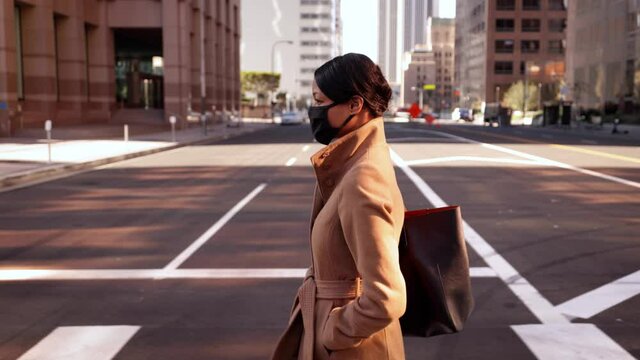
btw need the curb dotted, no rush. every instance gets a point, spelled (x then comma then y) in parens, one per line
(57, 170)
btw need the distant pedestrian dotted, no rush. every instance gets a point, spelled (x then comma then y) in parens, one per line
(353, 295)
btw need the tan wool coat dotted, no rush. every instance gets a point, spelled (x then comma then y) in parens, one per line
(349, 305)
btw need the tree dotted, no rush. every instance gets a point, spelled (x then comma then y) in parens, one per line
(514, 97)
(259, 83)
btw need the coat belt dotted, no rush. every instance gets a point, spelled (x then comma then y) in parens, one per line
(312, 289)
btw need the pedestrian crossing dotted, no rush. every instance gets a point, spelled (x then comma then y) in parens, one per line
(82, 343)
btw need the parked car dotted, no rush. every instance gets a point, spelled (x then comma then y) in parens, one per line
(291, 118)
(461, 114)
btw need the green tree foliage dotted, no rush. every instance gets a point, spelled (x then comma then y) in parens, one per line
(514, 97)
(259, 82)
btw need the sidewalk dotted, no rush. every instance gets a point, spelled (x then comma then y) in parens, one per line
(25, 159)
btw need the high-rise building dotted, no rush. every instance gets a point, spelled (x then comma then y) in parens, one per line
(603, 53)
(416, 13)
(442, 43)
(421, 71)
(320, 37)
(298, 35)
(82, 61)
(499, 42)
(389, 38)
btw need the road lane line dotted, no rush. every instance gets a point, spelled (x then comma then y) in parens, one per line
(597, 153)
(571, 337)
(471, 158)
(547, 161)
(291, 161)
(182, 257)
(598, 300)
(81, 343)
(528, 294)
(8, 275)
(570, 341)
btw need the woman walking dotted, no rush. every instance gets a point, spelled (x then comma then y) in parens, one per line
(350, 302)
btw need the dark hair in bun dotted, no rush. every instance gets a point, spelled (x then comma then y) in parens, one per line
(352, 74)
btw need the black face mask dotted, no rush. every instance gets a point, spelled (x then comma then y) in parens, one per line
(322, 130)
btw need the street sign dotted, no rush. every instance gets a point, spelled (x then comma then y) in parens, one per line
(414, 110)
(429, 86)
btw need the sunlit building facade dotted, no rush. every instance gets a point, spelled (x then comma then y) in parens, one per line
(86, 61)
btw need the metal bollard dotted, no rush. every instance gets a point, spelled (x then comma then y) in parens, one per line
(126, 132)
(48, 125)
(172, 120)
(203, 119)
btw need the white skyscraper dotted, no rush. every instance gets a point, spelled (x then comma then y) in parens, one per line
(314, 28)
(389, 37)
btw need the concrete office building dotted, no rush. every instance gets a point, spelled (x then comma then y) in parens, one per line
(83, 61)
(603, 53)
(442, 43)
(499, 42)
(313, 28)
(416, 13)
(421, 70)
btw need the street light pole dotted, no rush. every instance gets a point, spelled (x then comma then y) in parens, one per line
(273, 54)
(525, 94)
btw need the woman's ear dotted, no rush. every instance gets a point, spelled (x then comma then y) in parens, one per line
(356, 104)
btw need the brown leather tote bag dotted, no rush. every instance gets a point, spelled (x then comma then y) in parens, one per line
(435, 266)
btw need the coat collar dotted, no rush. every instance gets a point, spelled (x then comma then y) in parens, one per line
(330, 163)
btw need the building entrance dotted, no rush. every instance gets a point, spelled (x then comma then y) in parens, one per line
(139, 68)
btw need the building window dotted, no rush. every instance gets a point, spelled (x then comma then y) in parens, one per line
(505, 25)
(307, 70)
(531, 4)
(315, 16)
(531, 25)
(506, 5)
(87, 72)
(19, 68)
(556, 47)
(315, 57)
(315, 43)
(503, 67)
(557, 25)
(307, 29)
(315, 2)
(557, 5)
(505, 46)
(56, 35)
(530, 46)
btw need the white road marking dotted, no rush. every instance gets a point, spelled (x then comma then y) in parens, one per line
(471, 158)
(7, 275)
(556, 335)
(570, 341)
(305, 148)
(291, 161)
(81, 343)
(538, 305)
(602, 298)
(546, 161)
(175, 263)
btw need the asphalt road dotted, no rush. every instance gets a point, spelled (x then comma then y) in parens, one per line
(196, 253)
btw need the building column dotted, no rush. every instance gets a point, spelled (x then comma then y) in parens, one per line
(72, 71)
(176, 52)
(101, 58)
(8, 68)
(39, 64)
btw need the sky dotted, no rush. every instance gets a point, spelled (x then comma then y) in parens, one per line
(360, 25)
